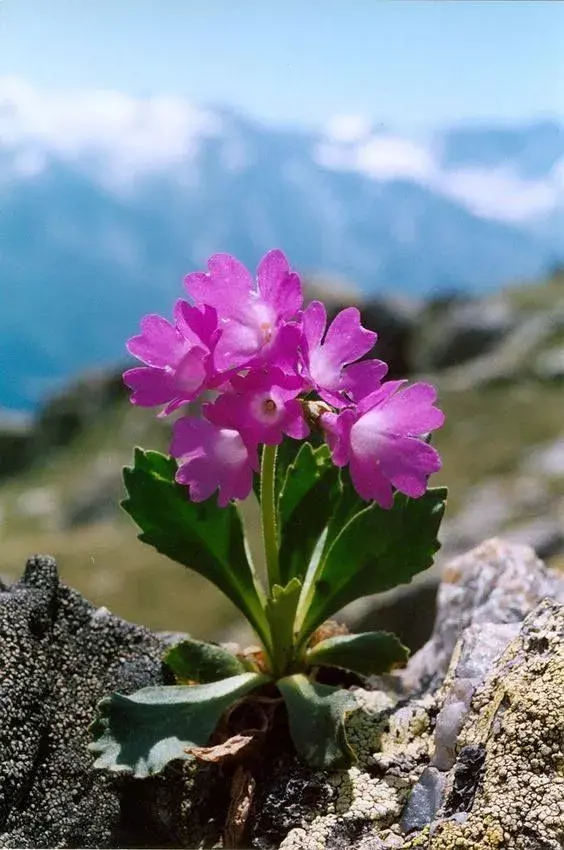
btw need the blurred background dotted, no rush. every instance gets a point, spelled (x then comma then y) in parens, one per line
(407, 156)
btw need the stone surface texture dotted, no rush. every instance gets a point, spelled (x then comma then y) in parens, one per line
(464, 749)
(58, 656)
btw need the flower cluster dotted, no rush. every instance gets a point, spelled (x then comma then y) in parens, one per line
(263, 359)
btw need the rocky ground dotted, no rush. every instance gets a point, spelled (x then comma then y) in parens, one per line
(462, 749)
(499, 365)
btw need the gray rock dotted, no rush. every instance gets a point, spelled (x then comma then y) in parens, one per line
(424, 801)
(547, 460)
(550, 364)
(58, 659)
(463, 330)
(496, 583)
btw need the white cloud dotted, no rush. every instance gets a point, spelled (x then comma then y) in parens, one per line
(134, 134)
(497, 193)
(347, 129)
(381, 157)
(387, 157)
(500, 193)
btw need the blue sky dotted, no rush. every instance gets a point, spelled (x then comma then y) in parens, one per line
(301, 61)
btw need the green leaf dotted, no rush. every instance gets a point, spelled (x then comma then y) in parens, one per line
(376, 550)
(316, 714)
(368, 653)
(142, 733)
(308, 496)
(281, 612)
(197, 661)
(201, 536)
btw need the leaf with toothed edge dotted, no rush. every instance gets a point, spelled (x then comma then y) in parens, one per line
(143, 732)
(375, 550)
(200, 535)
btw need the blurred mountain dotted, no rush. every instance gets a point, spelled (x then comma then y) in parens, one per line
(101, 216)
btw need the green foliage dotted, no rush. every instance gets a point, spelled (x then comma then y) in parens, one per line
(368, 653)
(309, 493)
(375, 551)
(201, 536)
(142, 733)
(317, 714)
(197, 661)
(281, 612)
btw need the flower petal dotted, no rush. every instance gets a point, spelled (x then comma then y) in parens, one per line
(159, 344)
(407, 462)
(278, 286)
(346, 340)
(212, 458)
(411, 411)
(314, 319)
(370, 483)
(150, 387)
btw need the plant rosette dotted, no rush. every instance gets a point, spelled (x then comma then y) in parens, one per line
(339, 460)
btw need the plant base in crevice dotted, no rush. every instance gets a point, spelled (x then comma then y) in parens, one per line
(60, 654)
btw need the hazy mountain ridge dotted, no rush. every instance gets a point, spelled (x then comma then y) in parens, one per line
(99, 220)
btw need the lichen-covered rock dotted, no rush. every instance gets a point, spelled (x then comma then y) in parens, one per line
(476, 759)
(58, 656)
(514, 790)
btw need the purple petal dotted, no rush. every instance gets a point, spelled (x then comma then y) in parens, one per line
(196, 324)
(314, 320)
(362, 379)
(150, 387)
(346, 340)
(191, 373)
(370, 483)
(212, 458)
(237, 345)
(379, 396)
(226, 288)
(337, 431)
(411, 412)
(278, 285)
(407, 462)
(159, 344)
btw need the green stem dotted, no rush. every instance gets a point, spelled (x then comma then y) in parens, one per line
(268, 514)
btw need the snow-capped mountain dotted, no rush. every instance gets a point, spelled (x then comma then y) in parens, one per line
(106, 201)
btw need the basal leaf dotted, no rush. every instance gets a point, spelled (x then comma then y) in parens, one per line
(142, 733)
(281, 611)
(316, 715)
(368, 653)
(201, 536)
(197, 661)
(307, 500)
(376, 550)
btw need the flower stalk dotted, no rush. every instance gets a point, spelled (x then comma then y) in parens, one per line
(268, 515)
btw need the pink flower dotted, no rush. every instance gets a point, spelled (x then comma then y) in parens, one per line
(329, 357)
(262, 406)
(253, 318)
(381, 440)
(177, 357)
(212, 458)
